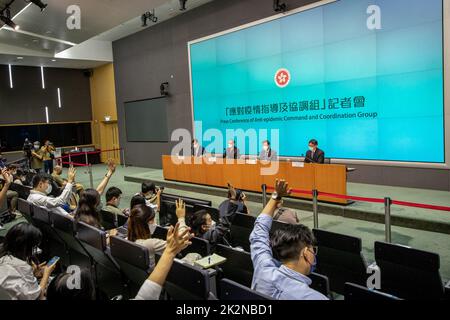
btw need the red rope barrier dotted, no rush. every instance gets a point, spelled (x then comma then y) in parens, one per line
(76, 164)
(420, 205)
(371, 200)
(84, 153)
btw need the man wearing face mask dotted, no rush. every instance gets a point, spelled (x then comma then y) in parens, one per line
(37, 157)
(232, 152)
(282, 261)
(42, 188)
(314, 154)
(267, 154)
(197, 150)
(113, 196)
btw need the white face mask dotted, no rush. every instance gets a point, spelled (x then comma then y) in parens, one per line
(266, 148)
(36, 147)
(196, 145)
(311, 148)
(49, 189)
(213, 224)
(230, 146)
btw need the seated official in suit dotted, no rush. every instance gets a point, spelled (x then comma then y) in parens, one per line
(314, 154)
(196, 149)
(267, 154)
(232, 152)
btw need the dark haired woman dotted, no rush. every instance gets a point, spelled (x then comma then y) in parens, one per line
(140, 221)
(17, 270)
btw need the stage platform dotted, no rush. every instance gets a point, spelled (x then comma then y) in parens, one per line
(415, 218)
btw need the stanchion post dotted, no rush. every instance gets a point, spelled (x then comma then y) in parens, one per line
(315, 195)
(387, 219)
(91, 178)
(86, 157)
(264, 195)
(123, 158)
(70, 158)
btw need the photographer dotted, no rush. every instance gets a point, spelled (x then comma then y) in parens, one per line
(47, 156)
(37, 157)
(27, 149)
(236, 203)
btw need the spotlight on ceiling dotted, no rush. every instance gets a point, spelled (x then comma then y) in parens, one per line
(6, 18)
(279, 7)
(164, 89)
(183, 5)
(39, 3)
(149, 16)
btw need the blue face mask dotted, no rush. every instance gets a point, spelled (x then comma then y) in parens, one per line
(314, 264)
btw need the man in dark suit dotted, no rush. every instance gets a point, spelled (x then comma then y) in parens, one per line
(314, 154)
(232, 152)
(196, 149)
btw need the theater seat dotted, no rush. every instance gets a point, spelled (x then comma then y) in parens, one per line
(186, 282)
(230, 290)
(320, 283)
(134, 262)
(340, 258)
(409, 273)
(238, 267)
(354, 292)
(240, 230)
(25, 208)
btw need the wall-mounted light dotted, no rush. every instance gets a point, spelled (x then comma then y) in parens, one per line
(10, 77)
(46, 115)
(59, 98)
(42, 77)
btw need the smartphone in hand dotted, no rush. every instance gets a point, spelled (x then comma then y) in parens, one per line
(53, 261)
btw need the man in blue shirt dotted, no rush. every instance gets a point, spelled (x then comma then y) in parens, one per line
(283, 275)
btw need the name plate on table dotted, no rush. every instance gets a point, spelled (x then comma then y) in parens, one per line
(212, 159)
(298, 164)
(181, 158)
(251, 161)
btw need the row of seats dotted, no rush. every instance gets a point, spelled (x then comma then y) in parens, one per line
(405, 272)
(122, 266)
(341, 266)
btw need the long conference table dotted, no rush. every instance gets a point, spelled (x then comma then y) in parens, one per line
(250, 175)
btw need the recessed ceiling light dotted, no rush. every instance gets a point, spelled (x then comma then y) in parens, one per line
(19, 58)
(54, 60)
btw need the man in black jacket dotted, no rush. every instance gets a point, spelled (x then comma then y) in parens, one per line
(314, 154)
(196, 149)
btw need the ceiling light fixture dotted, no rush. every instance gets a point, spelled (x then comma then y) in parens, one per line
(39, 3)
(149, 15)
(279, 7)
(183, 5)
(5, 16)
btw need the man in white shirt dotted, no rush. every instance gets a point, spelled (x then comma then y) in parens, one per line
(42, 188)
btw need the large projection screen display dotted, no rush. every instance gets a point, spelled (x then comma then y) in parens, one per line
(146, 120)
(364, 78)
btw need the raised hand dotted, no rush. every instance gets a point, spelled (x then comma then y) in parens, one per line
(181, 208)
(178, 241)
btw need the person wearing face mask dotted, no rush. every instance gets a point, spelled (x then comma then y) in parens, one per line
(37, 157)
(19, 268)
(314, 154)
(203, 226)
(42, 188)
(231, 152)
(113, 196)
(197, 150)
(267, 154)
(282, 261)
